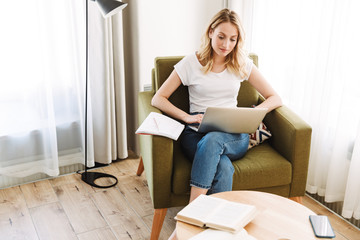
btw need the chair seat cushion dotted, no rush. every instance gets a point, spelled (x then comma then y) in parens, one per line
(261, 167)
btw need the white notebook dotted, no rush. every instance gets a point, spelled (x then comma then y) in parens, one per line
(159, 124)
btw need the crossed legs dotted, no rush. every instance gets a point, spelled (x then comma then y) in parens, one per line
(212, 170)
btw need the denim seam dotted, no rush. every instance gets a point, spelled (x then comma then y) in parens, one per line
(237, 140)
(196, 184)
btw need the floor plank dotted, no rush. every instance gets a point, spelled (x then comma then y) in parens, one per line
(136, 192)
(38, 193)
(133, 187)
(51, 222)
(83, 214)
(15, 219)
(119, 215)
(98, 234)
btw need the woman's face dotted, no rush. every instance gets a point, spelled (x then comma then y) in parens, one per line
(223, 38)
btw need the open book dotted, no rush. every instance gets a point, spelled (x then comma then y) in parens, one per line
(158, 124)
(217, 213)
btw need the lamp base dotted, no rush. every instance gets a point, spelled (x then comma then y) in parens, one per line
(90, 177)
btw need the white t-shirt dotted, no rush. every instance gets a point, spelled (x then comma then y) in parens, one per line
(210, 89)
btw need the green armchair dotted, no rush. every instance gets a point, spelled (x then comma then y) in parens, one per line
(279, 165)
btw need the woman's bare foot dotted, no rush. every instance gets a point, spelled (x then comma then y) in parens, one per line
(195, 192)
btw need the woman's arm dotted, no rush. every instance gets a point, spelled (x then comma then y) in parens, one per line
(272, 99)
(161, 100)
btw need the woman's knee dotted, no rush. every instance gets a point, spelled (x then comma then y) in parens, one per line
(211, 140)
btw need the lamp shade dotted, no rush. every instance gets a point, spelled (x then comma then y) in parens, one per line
(110, 7)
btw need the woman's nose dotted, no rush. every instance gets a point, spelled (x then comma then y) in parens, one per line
(226, 43)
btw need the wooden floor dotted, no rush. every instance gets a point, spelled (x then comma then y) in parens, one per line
(67, 208)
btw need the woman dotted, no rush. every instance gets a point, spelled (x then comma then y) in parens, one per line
(213, 76)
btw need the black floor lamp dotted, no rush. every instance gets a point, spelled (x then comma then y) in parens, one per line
(107, 8)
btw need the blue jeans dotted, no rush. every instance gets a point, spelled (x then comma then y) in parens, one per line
(212, 154)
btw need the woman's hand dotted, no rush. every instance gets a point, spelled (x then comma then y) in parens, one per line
(194, 118)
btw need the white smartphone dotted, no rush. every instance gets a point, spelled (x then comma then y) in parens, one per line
(321, 226)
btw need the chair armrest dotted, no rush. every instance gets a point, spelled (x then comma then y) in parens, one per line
(291, 137)
(144, 105)
(157, 156)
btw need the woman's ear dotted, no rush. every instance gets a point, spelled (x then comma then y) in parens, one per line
(211, 33)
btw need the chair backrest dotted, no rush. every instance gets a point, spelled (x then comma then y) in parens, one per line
(180, 98)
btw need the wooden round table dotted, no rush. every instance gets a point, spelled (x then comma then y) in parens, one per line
(278, 217)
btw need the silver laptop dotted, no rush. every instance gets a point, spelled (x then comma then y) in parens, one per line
(232, 120)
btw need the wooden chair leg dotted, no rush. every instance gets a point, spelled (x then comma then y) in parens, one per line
(159, 216)
(140, 167)
(296, 199)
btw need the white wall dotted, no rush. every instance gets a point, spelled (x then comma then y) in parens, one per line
(169, 27)
(159, 28)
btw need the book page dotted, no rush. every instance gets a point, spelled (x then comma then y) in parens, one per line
(168, 125)
(212, 234)
(232, 216)
(199, 210)
(149, 126)
(158, 124)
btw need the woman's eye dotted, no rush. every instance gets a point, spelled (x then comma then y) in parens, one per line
(221, 37)
(233, 40)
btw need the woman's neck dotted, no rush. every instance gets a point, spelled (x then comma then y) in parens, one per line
(219, 60)
(218, 64)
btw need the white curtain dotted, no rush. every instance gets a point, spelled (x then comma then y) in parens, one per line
(107, 85)
(42, 84)
(352, 197)
(309, 52)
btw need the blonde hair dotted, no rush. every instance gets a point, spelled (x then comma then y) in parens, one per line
(235, 60)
